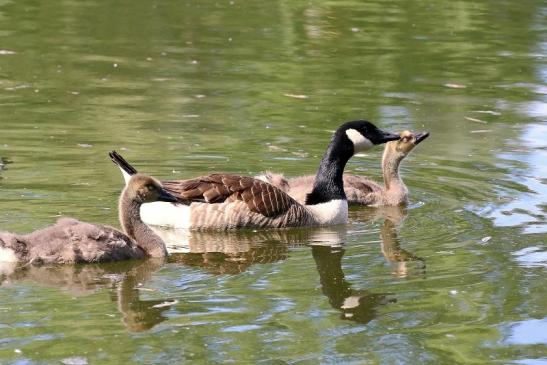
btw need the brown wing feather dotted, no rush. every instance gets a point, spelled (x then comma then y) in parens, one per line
(259, 196)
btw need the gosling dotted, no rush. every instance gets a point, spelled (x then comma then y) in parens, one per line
(359, 190)
(72, 241)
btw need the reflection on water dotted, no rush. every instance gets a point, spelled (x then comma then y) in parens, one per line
(124, 280)
(235, 252)
(356, 305)
(195, 87)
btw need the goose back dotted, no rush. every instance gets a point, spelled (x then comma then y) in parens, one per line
(226, 201)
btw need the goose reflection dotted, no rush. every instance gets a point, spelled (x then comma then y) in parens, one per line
(234, 252)
(402, 262)
(124, 279)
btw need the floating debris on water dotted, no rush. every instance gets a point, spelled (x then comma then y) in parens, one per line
(481, 131)
(166, 304)
(296, 96)
(85, 145)
(486, 239)
(476, 120)
(4, 52)
(455, 86)
(276, 148)
(491, 112)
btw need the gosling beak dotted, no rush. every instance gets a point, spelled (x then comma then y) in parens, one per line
(166, 197)
(421, 136)
(388, 136)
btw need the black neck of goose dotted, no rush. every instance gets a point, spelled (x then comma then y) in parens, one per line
(134, 227)
(329, 183)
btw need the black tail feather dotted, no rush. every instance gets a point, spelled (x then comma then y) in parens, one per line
(122, 163)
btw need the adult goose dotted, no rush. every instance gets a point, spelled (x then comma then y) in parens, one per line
(226, 201)
(72, 241)
(360, 190)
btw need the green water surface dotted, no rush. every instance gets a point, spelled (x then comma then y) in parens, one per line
(185, 88)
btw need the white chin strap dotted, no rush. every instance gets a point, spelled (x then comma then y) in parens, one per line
(360, 142)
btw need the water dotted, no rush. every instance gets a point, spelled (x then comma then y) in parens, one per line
(187, 88)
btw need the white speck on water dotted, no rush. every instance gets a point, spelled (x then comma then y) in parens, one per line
(491, 112)
(149, 58)
(486, 239)
(230, 39)
(36, 90)
(449, 335)
(481, 131)
(190, 115)
(296, 96)
(4, 52)
(354, 29)
(166, 304)
(476, 120)
(18, 351)
(194, 62)
(74, 92)
(453, 292)
(199, 96)
(115, 65)
(85, 145)
(455, 86)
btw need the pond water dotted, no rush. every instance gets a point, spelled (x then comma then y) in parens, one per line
(187, 88)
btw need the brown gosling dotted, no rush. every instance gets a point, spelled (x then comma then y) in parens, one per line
(359, 190)
(72, 241)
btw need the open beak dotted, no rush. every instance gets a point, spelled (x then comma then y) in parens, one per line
(167, 197)
(421, 136)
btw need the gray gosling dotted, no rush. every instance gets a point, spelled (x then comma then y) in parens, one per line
(359, 190)
(226, 201)
(72, 241)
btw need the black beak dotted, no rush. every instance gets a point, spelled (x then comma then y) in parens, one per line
(421, 136)
(388, 136)
(166, 197)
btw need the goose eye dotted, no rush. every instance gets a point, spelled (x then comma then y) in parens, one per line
(150, 187)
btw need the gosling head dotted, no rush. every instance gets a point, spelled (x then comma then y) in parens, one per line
(145, 189)
(363, 135)
(408, 141)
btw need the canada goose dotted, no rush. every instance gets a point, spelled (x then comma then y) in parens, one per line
(72, 241)
(225, 201)
(360, 190)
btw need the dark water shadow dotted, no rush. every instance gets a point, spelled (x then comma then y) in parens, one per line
(123, 279)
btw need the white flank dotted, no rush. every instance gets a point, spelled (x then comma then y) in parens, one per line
(166, 214)
(7, 255)
(360, 142)
(332, 212)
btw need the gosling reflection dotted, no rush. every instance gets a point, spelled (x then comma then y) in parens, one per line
(124, 279)
(355, 305)
(402, 262)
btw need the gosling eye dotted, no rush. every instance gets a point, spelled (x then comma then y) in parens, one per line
(150, 187)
